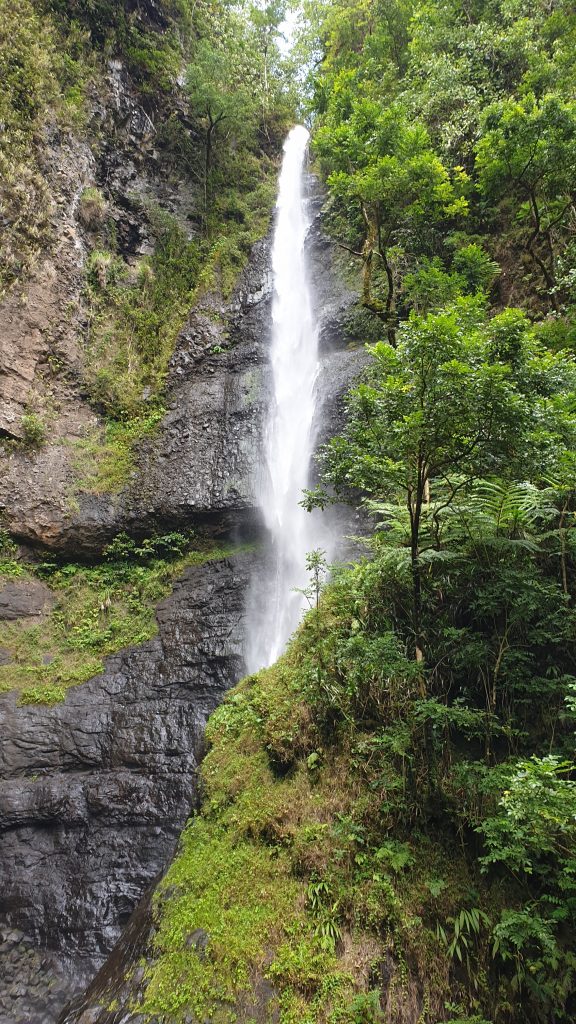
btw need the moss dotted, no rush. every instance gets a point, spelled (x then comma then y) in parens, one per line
(239, 876)
(137, 312)
(236, 891)
(42, 695)
(99, 610)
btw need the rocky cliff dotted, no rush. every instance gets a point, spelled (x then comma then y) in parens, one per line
(95, 791)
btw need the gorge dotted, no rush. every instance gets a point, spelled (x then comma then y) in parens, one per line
(287, 512)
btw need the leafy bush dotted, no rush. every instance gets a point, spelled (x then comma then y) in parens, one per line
(33, 431)
(166, 546)
(473, 264)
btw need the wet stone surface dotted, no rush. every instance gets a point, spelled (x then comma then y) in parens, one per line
(34, 982)
(94, 792)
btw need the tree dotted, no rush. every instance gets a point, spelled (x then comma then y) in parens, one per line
(528, 149)
(459, 399)
(219, 88)
(266, 19)
(387, 178)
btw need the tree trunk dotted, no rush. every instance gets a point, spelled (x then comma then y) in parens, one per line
(547, 274)
(391, 296)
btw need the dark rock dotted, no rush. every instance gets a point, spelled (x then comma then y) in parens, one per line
(198, 940)
(25, 599)
(94, 792)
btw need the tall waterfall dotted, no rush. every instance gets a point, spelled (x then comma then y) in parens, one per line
(276, 603)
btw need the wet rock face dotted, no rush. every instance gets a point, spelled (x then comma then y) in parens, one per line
(202, 467)
(94, 792)
(44, 318)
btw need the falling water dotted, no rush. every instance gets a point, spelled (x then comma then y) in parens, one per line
(289, 430)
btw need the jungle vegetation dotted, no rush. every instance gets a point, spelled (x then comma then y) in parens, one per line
(388, 831)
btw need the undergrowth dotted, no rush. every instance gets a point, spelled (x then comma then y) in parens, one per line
(291, 873)
(410, 851)
(136, 311)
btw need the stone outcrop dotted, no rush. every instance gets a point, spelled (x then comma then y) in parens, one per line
(203, 465)
(199, 469)
(20, 599)
(44, 318)
(94, 791)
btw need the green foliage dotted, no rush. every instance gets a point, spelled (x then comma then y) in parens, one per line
(487, 90)
(99, 609)
(148, 41)
(46, 694)
(137, 312)
(169, 545)
(528, 148)
(29, 84)
(386, 177)
(430, 287)
(33, 431)
(474, 264)
(464, 930)
(8, 553)
(135, 317)
(104, 459)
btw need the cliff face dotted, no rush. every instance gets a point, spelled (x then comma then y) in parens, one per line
(94, 791)
(45, 327)
(199, 468)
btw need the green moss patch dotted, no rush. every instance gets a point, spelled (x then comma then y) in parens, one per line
(104, 460)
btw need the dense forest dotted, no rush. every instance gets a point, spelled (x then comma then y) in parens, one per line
(388, 824)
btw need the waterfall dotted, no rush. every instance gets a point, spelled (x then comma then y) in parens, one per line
(275, 605)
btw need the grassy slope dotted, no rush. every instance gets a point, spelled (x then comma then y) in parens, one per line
(298, 870)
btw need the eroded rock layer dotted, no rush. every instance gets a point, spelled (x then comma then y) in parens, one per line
(95, 791)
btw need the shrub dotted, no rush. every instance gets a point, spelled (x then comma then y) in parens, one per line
(33, 431)
(477, 268)
(92, 209)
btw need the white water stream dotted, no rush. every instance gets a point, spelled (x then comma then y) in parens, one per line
(276, 604)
